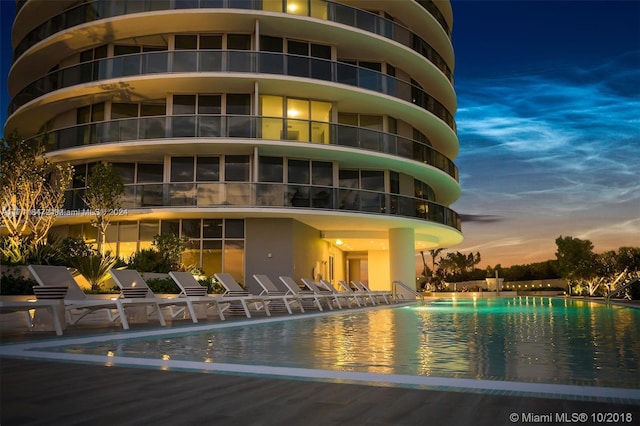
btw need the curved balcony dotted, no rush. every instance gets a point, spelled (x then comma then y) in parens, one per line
(321, 9)
(231, 61)
(430, 7)
(276, 195)
(246, 127)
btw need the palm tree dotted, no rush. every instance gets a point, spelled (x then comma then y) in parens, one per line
(434, 254)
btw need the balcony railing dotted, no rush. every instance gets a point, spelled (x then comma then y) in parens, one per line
(326, 10)
(231, 61)
(430, 6)
(243, 126)
(276, 195)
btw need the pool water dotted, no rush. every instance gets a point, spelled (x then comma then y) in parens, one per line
(524, 339)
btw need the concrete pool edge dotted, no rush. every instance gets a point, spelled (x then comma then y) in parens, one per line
(539, 390)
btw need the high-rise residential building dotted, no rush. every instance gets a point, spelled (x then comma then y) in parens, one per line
(309, 138)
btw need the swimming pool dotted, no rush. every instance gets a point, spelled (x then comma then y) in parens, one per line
(556, 346)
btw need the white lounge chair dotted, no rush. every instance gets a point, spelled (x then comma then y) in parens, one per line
(330, 297)
(305, 296)
(361, 299)
(269, 289)
(50, 304)
(381, 294)
(135, 291)
(235, 293)
(76, 303)
(197, 293)
(366, 295)
(348, 297)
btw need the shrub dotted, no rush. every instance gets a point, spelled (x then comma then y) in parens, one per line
(163, 285)
(76, 247)
(149, 260)
(95, 268)
(16, 285)
(213, 286)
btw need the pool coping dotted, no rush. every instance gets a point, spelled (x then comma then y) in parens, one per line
(37, 350)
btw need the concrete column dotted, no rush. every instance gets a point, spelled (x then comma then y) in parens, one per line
(402, 258)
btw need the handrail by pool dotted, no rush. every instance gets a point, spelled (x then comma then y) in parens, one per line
(394, 289)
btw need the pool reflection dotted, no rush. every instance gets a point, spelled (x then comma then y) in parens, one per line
(530, 339)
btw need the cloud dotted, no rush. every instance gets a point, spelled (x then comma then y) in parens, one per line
(480, 218)
(613, 230)
(569, 137)
(548, 153)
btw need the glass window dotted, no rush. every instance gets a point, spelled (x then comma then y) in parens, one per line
(270, 169)
(212, 228)
(100, 52)
(127, 171)
(148, 110)
(298, 124)
(97, 112)
(238, 104)
(394, 182)
(119, 50)
(239, 42)
(211, 256)
(272, 5)
(271, 106)
(234, 259)
(182, 169)
(298, 171)
(349, 179)
(371, 122)
(322, 173)
(234, 228)
(271, 44)
(147, 230)
(236, 168)
(154, 49)
(210, 42)
(191, 256)
(375, 66)
(184, 104)
(189, 41)
(86, 55)
(349, 119)
(170, 227)
(391, 70)
(321, 116)
(320, 111)
(111, 238)
(393, 125)
(207, 169)
(298, 48)
(320, 51)
(127, 239)
(150, 173)
(298, 108)
(123, 110)
(209, 104)
(83, 115)
(191, 228)
(372, 180)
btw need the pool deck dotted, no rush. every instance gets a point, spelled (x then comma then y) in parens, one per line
(35, 392)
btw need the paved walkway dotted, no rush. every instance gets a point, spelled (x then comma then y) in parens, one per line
(51, 394)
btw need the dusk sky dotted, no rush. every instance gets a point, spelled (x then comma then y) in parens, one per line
(548, 121)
